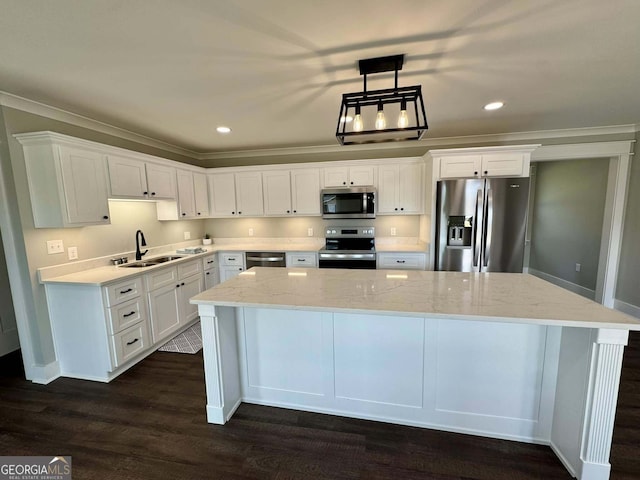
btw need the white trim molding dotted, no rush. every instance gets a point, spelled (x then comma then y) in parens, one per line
(573, 287)
(627, 308)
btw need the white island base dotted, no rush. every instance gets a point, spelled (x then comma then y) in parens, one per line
(552, 382)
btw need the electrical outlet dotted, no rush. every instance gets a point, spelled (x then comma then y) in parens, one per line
(393, 231)
(309, 232)
(578, 267)
(72, 252)
(187, 235)
(251, 232)
(55, 246)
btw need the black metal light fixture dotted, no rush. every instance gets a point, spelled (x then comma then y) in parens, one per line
(370, 125)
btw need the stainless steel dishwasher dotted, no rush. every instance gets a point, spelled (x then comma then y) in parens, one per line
(265, 259)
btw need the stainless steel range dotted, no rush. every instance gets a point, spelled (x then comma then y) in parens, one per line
(349, 247)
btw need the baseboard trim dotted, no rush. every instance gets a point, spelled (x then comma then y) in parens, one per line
(45, 374)
(627, 308)
(563, 459)
(573, 287)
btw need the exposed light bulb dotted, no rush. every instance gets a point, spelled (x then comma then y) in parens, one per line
(403, 119)
(357, 123)
(381, 122)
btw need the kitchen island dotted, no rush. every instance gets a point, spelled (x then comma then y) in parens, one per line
(499, 355)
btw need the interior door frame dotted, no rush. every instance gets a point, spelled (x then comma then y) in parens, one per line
(619, 155)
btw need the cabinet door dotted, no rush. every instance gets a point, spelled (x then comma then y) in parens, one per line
(362, 175)
(201, 193)
(410, 198)
(460, 166)
(388, 184)
(127, 177)
(229, 272)
(161, 181)
(186, 196)
(211, 278)
(189, 287)
(336, 176)
(305, 191)
(249, 194)
(84, 183)
(164, 310)
(222, 192)
(277, 193)
(503, 165)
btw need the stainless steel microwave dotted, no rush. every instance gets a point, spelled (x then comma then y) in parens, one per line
(352, 202)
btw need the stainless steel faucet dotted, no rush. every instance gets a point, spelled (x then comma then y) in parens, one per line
(140, 237)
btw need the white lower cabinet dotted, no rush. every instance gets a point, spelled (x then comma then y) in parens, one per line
(106, 329)
(231, 264)
(211, 273)
(169, 292)
(402, 261)
(302, 259)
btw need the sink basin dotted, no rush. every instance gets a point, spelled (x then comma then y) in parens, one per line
(151, 262)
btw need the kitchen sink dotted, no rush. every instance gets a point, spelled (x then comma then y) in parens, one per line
(151, 262)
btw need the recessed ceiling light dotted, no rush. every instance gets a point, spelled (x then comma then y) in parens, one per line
(346, 119)
(223, 129)
(494, 105)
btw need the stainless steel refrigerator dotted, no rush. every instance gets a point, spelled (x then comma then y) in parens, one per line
(481, 224)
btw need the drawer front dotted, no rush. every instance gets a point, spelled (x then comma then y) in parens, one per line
(128, 343)
(189, 268)
(409, 261)
(233, 259)
(303, 259)
(160, 278)
(123, 291)
(127, 314)
(209, 262)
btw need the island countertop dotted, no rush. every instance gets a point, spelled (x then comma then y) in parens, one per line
(502, 297)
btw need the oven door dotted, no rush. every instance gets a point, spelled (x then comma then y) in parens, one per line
(347, 260)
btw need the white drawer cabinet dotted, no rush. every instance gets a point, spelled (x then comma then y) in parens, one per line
(231, 264)
(402, 261)
(126, 314)
(211, 272)
(302, 259)
(123, 291)
(130, 342)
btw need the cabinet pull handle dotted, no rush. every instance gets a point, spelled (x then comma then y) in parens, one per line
(153, 193)
(210, 261)
(486, 172)
(132, 341)
(178, 286)
(184, 214)
(295, 211)
(400, 261)
(239, 213)
(351, 183)
(129, 314)
(475, 173)
(182, 284)
(302, 259)
(240, 269)
(344, 183)
(145, 193)
(396, 209)
(288, 211)
(122, 292)
(207, 273)
(402, 208)
(231, 259)
(233, 213)
(106, 217)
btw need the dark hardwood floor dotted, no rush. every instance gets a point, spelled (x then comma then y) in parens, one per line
(150, 424)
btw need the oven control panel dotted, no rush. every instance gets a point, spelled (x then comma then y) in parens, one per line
(350, 232)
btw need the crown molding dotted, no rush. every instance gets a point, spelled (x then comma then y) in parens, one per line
(428, 144)
(31, 106)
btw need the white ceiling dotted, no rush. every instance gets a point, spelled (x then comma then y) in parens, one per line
(274, 70)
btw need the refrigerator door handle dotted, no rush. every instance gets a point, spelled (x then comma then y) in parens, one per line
(488, 226)
(477, 229)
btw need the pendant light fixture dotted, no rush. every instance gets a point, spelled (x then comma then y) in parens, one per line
(370, 108)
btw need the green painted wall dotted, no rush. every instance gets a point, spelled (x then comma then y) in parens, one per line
(568, 212)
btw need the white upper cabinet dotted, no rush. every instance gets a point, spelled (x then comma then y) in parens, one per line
(400, 189)
(305, 191)
(201, 194)
(136, 179)
(277, 193)
(295, 192)
(186, 194)
(349, 176)
(478, 162)
(249, 194)
(236, 194)
(67, 184)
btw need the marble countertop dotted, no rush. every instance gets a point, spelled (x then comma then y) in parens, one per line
(503, 297)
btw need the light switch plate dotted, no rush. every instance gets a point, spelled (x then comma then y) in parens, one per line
(310, 232)
(55, 246)
(72, 252)
(187, 235)
(393, 231)
(251, 232)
